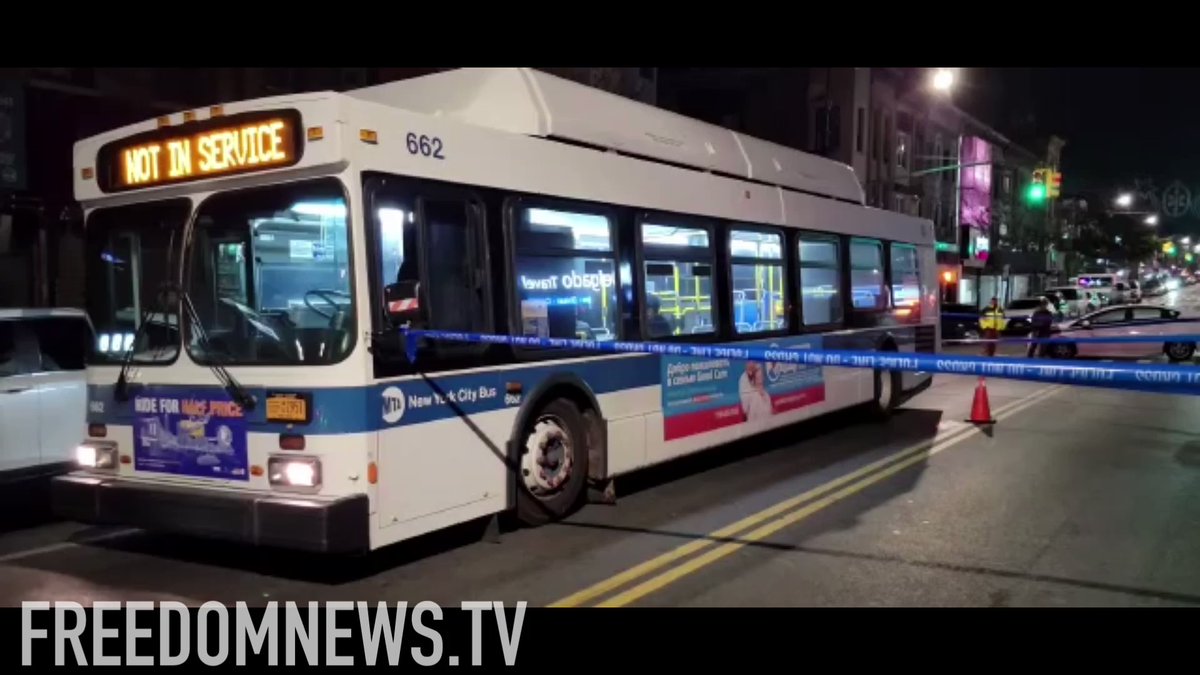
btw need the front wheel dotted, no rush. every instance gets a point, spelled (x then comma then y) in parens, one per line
(1179, 351)
(553, 466)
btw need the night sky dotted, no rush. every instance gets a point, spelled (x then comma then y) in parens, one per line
(1119, 123)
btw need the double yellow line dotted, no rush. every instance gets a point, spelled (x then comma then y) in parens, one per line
(771, 520)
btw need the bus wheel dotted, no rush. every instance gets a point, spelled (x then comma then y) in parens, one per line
(888, 387)
(1179, 351)
(553, 464)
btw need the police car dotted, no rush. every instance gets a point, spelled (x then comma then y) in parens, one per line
(1128, 320)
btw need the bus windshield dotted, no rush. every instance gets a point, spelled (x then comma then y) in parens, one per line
(130, 254)
(269, 276)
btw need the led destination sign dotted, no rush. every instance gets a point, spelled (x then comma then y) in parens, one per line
(208, 149)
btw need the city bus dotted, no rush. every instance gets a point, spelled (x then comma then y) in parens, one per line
(251, 267)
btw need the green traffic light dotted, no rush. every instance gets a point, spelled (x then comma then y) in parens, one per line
(1036, 193)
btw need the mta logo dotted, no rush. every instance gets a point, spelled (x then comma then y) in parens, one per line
(393, 405)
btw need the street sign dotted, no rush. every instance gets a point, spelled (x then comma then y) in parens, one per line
(12, 136)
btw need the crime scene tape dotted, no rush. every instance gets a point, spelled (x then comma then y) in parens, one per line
(1139, 377)
(1161, 339)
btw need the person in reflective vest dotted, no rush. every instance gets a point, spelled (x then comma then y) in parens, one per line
(991, 322)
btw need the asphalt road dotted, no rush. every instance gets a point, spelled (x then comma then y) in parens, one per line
(1077, 497)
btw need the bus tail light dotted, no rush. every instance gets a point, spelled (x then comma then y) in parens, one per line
(372, 473)
(97, 430)
(96, 455)
(256, 470)
(126, 459)
(294, 472)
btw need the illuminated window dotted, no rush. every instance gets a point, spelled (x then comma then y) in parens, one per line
(902, 148)
(566, 275)
(866, 275)
(906, 276)
(820, 299)
(270, 276)
(430, 258)
(678, 280)
(757, 281)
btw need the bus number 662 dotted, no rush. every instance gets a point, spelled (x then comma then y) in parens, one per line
(427, 146)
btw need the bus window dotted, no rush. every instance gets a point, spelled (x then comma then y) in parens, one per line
(906, 277)
(820, 298)
(130, 254)
(678, 280)
(270, 276)
(429, 257)
(866, 275)
(566, 275)
(757, 281)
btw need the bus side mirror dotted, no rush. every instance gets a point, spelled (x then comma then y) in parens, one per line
(401, 302)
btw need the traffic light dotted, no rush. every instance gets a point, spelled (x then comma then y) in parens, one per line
(1054, 186)
(1036, 193)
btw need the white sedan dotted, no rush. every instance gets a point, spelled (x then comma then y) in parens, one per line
(1131, 321)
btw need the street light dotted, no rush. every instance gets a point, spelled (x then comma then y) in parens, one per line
(943, 80)
(1124, 200)
(1151, 220)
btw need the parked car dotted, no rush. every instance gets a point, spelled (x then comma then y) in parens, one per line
(1123, 293)
(1154, 288)
(1135, 291)
(1128, 320)
(956, 324)
(1020, 314)
(1071, 300)
(43, 396)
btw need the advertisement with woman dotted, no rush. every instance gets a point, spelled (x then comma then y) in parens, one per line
(701, 395)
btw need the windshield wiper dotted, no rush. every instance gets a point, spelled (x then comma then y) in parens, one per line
(121, 390)
(235, 390)
(162, 302)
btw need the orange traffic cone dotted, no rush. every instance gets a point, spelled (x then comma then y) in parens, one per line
(981, 411)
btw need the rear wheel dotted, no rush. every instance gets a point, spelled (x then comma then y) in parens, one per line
(888, 387)
(553, 464)
(1179, 351)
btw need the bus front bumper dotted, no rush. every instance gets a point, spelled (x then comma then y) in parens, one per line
(295, 521)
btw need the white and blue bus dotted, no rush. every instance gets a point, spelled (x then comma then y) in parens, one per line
(250, 265)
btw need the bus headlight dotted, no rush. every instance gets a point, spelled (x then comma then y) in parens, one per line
(294, 472)
(96, 455)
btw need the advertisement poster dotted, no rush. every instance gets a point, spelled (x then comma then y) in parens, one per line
(701, 395)
(975, 208)
(203, 436)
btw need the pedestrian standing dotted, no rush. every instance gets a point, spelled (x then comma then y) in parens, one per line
(1043, 326)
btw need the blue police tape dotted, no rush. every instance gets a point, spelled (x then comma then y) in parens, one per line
(1153, 378)
(1160, 339)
